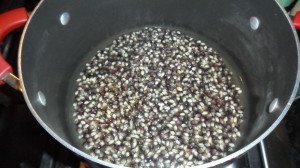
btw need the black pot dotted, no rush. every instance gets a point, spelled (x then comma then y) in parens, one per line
(256, 37)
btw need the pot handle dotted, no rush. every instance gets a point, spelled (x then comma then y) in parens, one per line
(296, 20)
(10, 21)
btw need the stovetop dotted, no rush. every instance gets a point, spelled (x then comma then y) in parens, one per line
(25, 144)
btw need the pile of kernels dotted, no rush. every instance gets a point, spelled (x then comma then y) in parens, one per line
(157, 98)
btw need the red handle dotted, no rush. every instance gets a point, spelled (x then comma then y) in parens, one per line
(5, 69)
(296, 20)
(10, 21)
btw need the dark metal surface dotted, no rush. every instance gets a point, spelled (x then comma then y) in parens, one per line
(51, 54)
(278, 148)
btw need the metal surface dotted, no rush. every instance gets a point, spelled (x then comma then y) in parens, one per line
(64, 18)
(254, 158)
(51, 55)
(41, 98)
(297, 95)
(273, 105)
(12, 81)
(263, 153)
(254, 22)
(278, 147)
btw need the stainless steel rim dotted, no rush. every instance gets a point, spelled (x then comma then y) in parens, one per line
(210, 164)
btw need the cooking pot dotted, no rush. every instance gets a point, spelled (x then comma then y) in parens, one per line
(61, 36)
